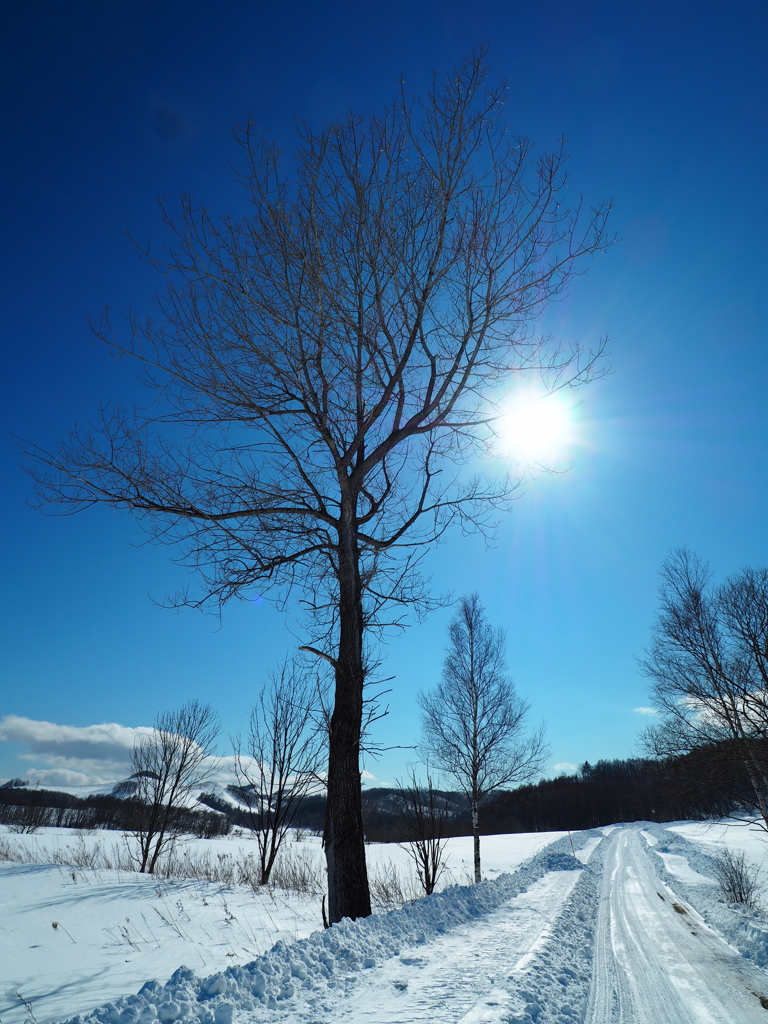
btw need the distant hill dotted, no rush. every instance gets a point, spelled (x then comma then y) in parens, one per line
(25, 808)
(704, 784)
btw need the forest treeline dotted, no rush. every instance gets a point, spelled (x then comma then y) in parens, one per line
(706, 783)
(703, 784)
(635, 789)
(25, 809)
(607, 792)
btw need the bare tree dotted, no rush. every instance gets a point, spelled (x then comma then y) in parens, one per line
(326, 365)
(281, 759)
(473, 722)
(26, 818)
(423, 814)
(169, 764)
(708, 663)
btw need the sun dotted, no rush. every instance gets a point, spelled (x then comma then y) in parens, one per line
(536, 428)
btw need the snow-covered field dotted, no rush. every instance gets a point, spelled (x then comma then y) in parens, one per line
(72, 937)
(548, 937)
(753, 841)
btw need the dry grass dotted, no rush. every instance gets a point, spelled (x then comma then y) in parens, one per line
(77, 855)
(392, 887)
(295, 870)
(298, 869)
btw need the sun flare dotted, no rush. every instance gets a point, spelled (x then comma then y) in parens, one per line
(536, 428)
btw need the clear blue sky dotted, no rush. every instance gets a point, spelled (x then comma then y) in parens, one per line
(107, 106)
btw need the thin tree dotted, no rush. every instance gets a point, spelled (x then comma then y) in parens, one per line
(708, 663)
(325, 365)
(281, 758)
(423, 815)
(169, 765)
(474, 721)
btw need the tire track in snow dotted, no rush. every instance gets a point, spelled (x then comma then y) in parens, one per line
(459, 977)
(656, 961)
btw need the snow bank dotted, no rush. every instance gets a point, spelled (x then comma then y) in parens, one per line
(330, 959)
(746, 930)
(553, 983)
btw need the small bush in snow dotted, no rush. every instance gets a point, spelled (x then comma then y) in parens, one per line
(739, 880)
(391, 888)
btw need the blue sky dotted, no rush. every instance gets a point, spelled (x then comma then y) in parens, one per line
(108, 106)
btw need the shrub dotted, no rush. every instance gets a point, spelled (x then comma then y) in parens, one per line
(739, 880)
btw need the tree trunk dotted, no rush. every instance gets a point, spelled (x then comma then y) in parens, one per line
(476, 840)
(159, 846)
(348, 893)
(145, 845)
(757, 779)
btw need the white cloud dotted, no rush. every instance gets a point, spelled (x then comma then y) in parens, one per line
(96, 754)
(646, 711)
(108, 739)
(227, 774)
(55, 777)
(564, 768)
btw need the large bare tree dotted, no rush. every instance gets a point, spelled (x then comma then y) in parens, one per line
(708, 663)
(326, 366)
(474, 721)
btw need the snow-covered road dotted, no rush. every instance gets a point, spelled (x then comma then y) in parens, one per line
(656, 961)
(459, 976)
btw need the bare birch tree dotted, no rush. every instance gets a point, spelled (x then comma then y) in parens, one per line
(708, 663)
(326, 365)
(474, 721)
(169, 764)
(281, 758)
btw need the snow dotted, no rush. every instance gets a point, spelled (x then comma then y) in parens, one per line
(680, 868)
(117, 929)
(617, 926)
(745, 930)
(114, 930)
(307, 979)
(739, 834)
(655, 957)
